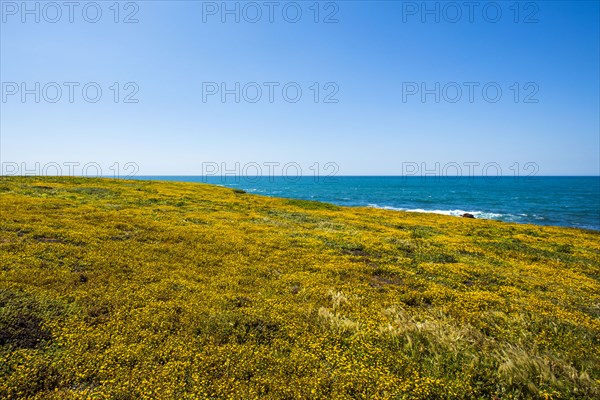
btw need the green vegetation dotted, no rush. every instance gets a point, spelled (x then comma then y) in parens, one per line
(136, 289)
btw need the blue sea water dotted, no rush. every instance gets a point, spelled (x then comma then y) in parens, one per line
(563, 201)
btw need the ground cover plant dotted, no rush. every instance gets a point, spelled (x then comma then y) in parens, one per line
(136, 289)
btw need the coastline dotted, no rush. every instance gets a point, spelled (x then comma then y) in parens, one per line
(545, 201)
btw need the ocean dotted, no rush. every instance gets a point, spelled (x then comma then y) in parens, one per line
(561, 201)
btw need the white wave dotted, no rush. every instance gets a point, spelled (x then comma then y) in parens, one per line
(455, 213)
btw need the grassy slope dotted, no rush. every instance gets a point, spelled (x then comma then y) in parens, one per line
(132, 289)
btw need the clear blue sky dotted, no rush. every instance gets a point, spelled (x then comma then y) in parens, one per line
(374, 54)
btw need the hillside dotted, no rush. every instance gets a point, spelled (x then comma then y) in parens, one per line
(137, 289)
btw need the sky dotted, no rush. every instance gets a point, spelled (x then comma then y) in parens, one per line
(349, 87)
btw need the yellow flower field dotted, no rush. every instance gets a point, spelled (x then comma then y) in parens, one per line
(114, 289)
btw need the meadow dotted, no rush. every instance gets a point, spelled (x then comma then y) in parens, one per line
(116, 289)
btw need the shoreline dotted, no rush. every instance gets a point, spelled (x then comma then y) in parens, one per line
(250, 191)
(517, 216)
